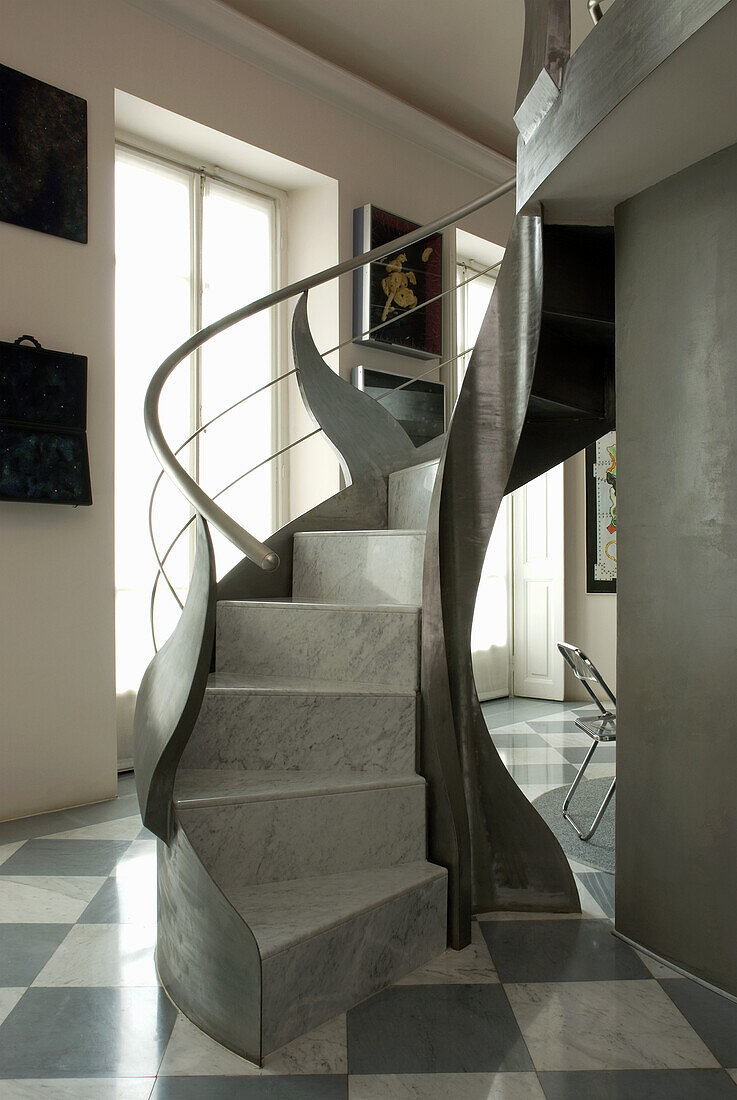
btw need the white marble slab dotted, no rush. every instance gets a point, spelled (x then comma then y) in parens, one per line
(605, 1025)
(206, 786)
(8, 1000)
(123, 828)
(299, 729)
(371, 567)
(82, 1088)
(191, 1053)
(45, 899)
(445, 1086)
(374, 646)
(328, 973)
(410, 492)
(470, 966)
(103, 955)
(290, 838)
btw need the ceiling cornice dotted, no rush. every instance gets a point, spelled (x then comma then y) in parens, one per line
(244, 38)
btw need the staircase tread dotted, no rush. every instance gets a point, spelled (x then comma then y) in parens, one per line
(281, 914)
(227, 683)
(199, 787)
(380, 531)
(290, 603)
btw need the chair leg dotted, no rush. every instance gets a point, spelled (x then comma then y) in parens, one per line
(597, 819)
(579, 776)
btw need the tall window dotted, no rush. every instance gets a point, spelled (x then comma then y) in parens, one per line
(190, 247)
(472, 302)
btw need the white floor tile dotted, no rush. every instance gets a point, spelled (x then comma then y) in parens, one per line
(605, 1025)
(191, 1053)
(8, 1000)
(445, 1086)
(88, 1088)
(471, 966)
(124, 828)
(103, 955)
(45, 899)
(6, 850)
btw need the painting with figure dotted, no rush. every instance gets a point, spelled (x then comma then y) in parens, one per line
(601, 515)
(387, 294)
(43, 157)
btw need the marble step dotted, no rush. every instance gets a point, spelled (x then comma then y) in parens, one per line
(328, 942)
(410, 492)
(300, 832)
(260, 724)
(376, 646)
(359, 567)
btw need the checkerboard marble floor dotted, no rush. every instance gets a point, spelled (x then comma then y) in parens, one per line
(534, 1008)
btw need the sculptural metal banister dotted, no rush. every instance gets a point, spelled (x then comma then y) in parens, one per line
(255, 550)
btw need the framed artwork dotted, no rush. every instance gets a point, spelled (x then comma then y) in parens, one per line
(43, 157)
(601, 514)
(419, 407)
(386, 294)
(43, 425)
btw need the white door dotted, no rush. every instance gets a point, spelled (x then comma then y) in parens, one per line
(538, 587)
(490, 634)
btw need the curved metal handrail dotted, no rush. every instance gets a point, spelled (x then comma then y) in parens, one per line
(161, 560)
(595, 10)
(250, 546)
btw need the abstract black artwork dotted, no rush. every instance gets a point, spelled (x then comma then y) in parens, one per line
(386, 295)
(43, 157)
(43, 422)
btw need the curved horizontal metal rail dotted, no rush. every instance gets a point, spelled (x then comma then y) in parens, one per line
(253, 549)
(281, 377)
(161, 571)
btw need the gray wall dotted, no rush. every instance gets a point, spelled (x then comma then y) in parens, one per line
(677, 502)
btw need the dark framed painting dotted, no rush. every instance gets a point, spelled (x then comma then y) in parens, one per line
(601, 514)
(43, 422)
(43, 157)
(419, 406)
(386, 295)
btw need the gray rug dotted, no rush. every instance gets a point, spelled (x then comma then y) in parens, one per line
(597, 852)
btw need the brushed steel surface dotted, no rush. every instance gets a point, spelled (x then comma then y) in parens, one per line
(621, 51)
(171, 693)
(206, 955)
(545, 53)
(499, 852)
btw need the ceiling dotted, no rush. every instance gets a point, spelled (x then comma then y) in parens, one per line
(456, 61)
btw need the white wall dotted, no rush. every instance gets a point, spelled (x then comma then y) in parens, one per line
(590, 617)
(56, 591)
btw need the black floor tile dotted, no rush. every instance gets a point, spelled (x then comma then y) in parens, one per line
(600, 884)
(651, 1084)
(506, 712)
(546, 728)
(299, 1087)
(436, 1029)
(25, 949)
(713, 1017)
(560, 951)
(65, 857)
(86, 1033)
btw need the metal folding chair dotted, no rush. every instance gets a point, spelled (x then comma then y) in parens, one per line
(600, 727)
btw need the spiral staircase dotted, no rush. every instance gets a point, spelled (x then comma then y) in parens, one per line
(310, 749)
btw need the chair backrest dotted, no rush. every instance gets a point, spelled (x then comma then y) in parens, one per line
(587, 672)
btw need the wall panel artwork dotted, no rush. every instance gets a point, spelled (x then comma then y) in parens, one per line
(601, 515)
(43, 157)
(386, 296)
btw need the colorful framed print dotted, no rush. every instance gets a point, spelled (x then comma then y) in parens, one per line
(601, 514)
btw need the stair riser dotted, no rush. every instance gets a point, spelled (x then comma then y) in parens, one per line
(410, 492)
(378, 648)
(359, 567)
(289, 838)
(305, 985)
(367, 733)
